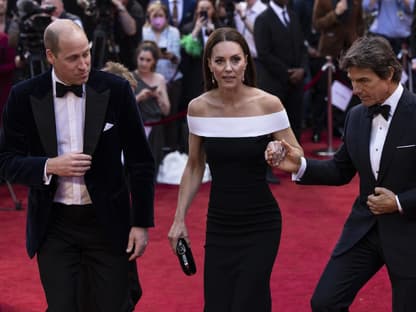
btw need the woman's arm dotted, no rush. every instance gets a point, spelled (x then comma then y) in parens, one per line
(190, 182)
(162, 97)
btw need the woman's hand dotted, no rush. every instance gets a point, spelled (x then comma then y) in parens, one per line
(274, 153)
(286, 158)
(200, 21)
(177, 230)
(169, 56)
(144, 95)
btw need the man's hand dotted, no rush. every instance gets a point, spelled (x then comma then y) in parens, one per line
(137, 242)
(69, 165)
(296, 75)
(341, 7)
(382, 201)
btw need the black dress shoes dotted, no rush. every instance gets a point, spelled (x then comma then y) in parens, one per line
(270, 177)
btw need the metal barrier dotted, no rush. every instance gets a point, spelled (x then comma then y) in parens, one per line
(17, 203)
(330, 67)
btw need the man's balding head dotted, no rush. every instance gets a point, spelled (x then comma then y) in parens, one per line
(68, 51)
(60, 28)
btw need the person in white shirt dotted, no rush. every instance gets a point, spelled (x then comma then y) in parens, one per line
(63, 134)
(246, 14)
(379, 145)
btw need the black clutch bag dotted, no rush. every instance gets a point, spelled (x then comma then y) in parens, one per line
(185, 257)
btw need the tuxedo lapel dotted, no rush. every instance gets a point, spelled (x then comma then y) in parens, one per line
(95, 111)
(394, 134)
(44, 115)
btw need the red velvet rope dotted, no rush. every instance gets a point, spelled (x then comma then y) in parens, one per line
(167, 119)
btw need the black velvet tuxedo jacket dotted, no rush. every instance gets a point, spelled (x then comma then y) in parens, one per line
(28, 138)
(397, 173)
(279, 48)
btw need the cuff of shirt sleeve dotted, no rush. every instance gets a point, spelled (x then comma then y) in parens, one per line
(398, 204)
(46, 177)
(298, 175)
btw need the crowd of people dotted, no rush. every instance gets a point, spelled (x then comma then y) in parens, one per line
(86, 88)
(288, 51)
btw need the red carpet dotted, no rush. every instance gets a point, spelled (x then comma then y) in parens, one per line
(312, 221)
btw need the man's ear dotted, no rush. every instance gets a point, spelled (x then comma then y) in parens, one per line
(50, 56)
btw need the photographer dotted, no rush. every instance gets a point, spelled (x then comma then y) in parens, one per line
(26, 34)
(60, 11)
(114, 27)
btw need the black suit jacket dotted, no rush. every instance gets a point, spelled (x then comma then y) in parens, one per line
(278, 49)
(188, 9)
(397, 173)
(28, 138)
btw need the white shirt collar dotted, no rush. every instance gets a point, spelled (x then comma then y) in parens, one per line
(277, 9)
(394, 98)
(56, 79)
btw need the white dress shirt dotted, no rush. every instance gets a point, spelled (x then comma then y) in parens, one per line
(179, 6)
(69, 120)
(279, 12)
(251, 15)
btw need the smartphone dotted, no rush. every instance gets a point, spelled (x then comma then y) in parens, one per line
(203, 14)
(163, 49)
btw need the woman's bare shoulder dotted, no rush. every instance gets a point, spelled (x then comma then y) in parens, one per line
(160, 78)
(198, 107)
(268, 102)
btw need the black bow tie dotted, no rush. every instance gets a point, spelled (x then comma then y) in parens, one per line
(376, 109)
(62, 89)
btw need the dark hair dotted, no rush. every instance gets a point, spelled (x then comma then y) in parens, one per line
(214, 17)
(151, 46)
(227, 34)
(374, 53)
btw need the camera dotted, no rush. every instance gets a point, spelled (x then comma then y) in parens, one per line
(99, 24)
(32, 21)
(95, 7)
(32, 17)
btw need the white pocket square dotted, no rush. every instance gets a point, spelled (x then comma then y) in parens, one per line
(108, 126)
(406, 146)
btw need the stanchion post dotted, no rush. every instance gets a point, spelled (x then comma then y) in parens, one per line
(17, 203)
(407, 67)
(328, 66)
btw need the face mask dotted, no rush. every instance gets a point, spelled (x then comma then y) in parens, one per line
(158, 22)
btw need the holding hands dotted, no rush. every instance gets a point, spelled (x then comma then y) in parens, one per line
(284, 156)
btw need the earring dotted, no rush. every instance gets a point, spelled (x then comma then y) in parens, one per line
(212, 79)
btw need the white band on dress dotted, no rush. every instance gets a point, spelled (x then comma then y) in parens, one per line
(232, 127)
